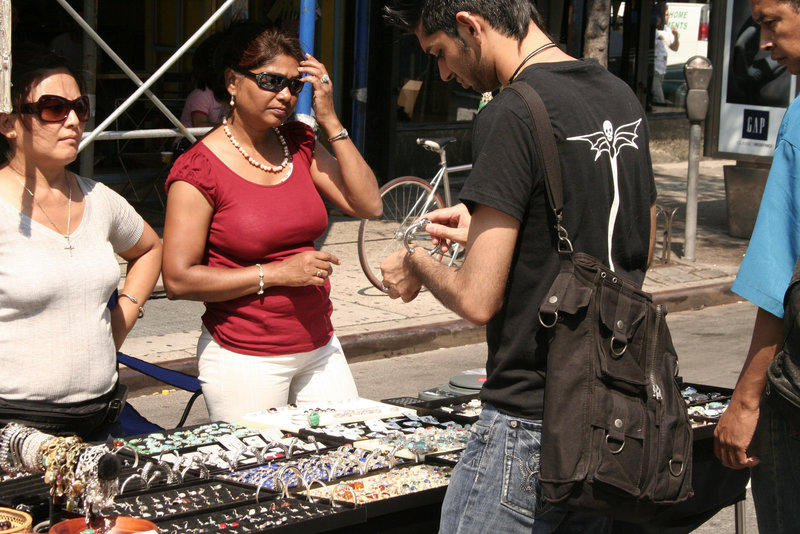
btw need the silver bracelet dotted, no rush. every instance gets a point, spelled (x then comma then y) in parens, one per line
(341, 135)
(135, 301)
(260, 280)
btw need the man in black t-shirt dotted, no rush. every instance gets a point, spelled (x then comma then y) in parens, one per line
(506, 225)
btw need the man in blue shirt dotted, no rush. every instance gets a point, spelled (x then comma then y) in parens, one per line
(771, 453)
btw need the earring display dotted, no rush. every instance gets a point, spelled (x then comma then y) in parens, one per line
(185, 499)
(276, 514)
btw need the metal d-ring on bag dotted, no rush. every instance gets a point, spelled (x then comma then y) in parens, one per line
(616, 436)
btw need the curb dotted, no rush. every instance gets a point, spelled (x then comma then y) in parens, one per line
(400, 341)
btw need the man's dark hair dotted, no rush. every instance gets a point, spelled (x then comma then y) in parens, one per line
(509, 17)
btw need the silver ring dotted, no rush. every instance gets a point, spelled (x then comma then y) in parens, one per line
(384, 288)
(325, 78)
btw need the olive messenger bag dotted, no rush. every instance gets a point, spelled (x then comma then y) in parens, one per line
(616, 436)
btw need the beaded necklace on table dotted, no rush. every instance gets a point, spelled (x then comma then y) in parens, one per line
(287, 158)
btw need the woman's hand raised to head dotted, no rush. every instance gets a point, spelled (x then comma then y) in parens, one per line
(317, 75)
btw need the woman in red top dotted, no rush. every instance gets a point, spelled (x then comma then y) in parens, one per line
(243, 211)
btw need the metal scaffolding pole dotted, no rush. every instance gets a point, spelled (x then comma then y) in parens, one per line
(144, 86)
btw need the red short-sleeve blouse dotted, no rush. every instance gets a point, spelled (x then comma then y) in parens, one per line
(252, 224)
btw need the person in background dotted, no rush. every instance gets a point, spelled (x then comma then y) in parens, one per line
(752, 432)
(244, 207)
(207, 103)
(506, 224)
(666, 39)
(59, 233)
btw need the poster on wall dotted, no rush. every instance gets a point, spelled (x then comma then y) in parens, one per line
(755, 89)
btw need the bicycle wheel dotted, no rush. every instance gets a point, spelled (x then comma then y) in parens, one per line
(404, 201)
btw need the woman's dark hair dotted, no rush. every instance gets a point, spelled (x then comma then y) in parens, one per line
(509, 17)
(207, 66)
(253, 44)
(31, 64)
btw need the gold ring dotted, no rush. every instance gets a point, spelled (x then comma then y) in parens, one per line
(319, 274)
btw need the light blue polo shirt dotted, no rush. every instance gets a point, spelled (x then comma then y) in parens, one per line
(775, 244)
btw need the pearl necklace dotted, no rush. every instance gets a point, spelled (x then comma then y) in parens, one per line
(287, 158)
(69, 210)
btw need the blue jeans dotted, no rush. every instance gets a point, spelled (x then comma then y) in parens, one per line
(776, 493)
(495, 486)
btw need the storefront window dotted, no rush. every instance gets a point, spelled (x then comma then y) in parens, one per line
(424, 97)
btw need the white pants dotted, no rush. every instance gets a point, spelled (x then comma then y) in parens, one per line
(235, 384)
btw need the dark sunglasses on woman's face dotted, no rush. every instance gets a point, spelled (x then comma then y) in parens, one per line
(275, 83)
(52, 108)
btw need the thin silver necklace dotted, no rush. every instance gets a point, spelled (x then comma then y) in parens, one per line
(69, 210)
(528, 57)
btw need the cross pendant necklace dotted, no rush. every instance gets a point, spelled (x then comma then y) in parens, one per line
(68, 245)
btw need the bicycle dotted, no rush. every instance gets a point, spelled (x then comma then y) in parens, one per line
(405, 200)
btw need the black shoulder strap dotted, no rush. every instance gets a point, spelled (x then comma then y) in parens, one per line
(546, 138)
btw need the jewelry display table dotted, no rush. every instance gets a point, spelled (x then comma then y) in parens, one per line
(355, 466)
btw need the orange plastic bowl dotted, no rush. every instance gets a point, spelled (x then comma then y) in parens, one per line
(104, 525)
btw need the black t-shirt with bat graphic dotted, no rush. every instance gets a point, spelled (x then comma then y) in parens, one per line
(603, 142)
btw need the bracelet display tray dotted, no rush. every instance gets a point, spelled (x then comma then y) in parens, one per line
(155, 443)
(269, 483)
(216, 455)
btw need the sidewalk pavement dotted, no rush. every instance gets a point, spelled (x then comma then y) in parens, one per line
(370, 325)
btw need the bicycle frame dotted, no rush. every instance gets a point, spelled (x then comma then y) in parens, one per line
(419, 197)
(443, 174)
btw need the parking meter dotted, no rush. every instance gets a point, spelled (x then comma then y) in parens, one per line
(698, 71)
